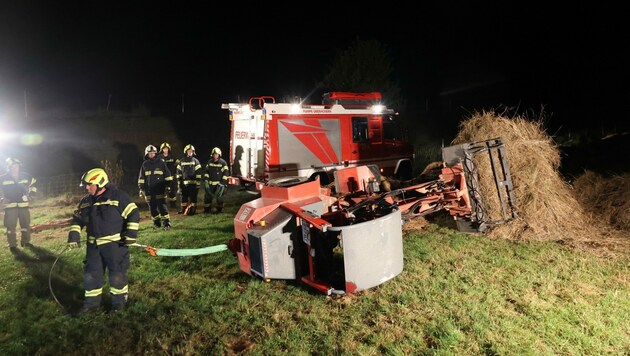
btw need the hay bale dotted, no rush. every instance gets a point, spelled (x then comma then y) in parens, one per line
(606, 199)
(545, 203)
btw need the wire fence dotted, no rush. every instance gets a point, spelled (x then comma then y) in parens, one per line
(58, 185)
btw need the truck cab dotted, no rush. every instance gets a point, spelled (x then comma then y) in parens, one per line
(271, 141)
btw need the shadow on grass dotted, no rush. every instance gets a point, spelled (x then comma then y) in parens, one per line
(51, 277)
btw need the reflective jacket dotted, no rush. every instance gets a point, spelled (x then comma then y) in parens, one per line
(170, 161)
(154, 176)
(189, 171)
(17, 192)
(217, 171)
(111, 216)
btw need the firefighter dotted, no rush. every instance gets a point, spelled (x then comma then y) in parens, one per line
(189, 176)
(18, 189)
(215, 181)
(111, 220)
(171, 163)
(155, 182)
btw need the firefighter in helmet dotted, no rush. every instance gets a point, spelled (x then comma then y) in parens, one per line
(18, 189)
(171, 162)
(155, 182)
(111, 221)
(189, 173)
(215, 181)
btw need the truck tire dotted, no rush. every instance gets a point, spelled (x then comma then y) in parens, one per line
(324, 179)
(403, 170)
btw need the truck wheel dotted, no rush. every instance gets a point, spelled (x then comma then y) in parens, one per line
(404, 170)
(323, 178)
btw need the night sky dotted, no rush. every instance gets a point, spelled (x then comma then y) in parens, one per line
(569, 60)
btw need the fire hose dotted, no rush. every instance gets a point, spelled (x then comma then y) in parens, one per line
(153, 251)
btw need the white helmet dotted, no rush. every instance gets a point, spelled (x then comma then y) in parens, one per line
(216, 150)
(189, 147)
(149, 148)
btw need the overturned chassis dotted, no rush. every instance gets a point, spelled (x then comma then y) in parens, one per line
(352, 241)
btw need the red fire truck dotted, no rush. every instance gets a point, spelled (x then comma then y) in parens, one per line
(272, 141)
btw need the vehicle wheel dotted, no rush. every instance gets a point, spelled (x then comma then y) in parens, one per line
(404, 170)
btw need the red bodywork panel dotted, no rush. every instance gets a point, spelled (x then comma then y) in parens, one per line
(318, 135)
(271, 198)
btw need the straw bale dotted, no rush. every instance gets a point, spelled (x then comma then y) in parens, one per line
(545, 203)
(606, 199)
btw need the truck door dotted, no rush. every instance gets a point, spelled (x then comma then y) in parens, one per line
(247, 144)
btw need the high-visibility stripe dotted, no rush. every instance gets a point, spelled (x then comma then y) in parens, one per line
(128, 210)
(107, 202)
(75, 228)
(164, 217)
(169, 178)
(93, 292)
(141, 181)
(22, 205)
(104, 239)
(8, 182)
(11, 205)
(133, 226)
(116, 291)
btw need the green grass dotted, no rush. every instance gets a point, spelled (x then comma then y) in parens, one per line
(458, 294)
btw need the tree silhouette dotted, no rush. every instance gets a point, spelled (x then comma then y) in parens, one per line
(365, 66)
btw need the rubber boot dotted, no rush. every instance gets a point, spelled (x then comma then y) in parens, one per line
(167, 224)
(182, 209)
(192, 209)
(157, 224)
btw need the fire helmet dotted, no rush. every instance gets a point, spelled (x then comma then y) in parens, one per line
(96, 176)
(216, 150)
(11, 161)
(149, 148)
(189, 147)
(165, 144)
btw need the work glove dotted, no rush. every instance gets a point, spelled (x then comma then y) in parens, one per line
(74, 240)
(141, 194)
(220, 190)
(129, 241)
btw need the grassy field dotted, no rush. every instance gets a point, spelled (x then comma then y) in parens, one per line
(458, 294)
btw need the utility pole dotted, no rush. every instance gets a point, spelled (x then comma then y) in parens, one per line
(25, 106)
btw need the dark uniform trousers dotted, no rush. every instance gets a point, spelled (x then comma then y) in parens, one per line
(114, 256)
(11, 218)
(157, 205)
